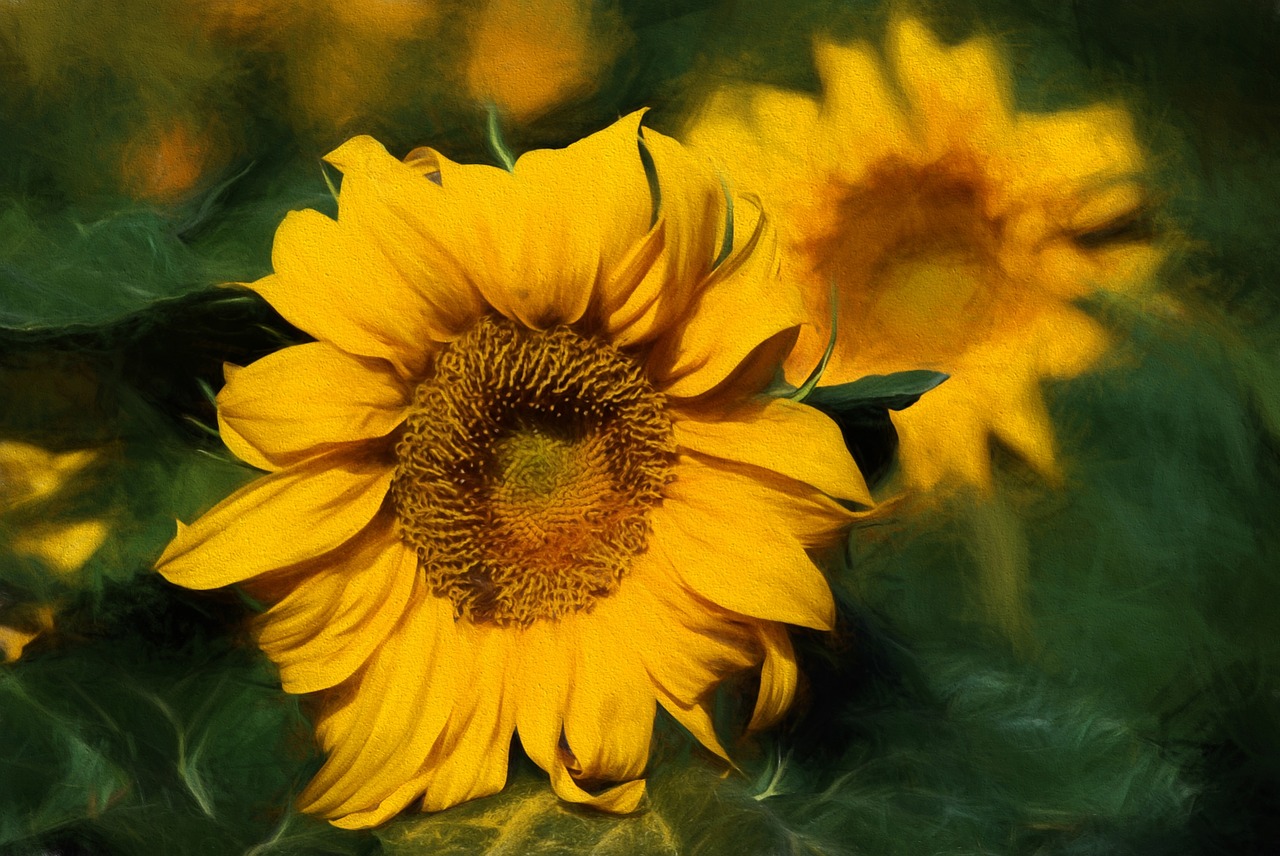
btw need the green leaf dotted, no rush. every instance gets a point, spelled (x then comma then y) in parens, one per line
(497, 144)
(896, 391)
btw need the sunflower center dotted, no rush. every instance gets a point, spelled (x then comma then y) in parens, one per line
(928, 255)
(527, 469)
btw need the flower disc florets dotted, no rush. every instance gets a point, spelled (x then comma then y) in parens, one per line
(526, 471)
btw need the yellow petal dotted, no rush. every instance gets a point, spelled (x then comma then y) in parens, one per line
(29, 623)
(333, 281)
(1062, 154)
(1022, 423)
(742, 305)
(278, 520)
(769, 142)
(609, 713)
(778, 676)
(687, 643)
(539, 241)
(945, 436)
(336, 616)
(619, 799)
(386, 721)
(696, 719)
(692, 217)
(861, 120)
(741, 544)
(781, 436)
(64, 547)
(302, 400)
(956, 93)
(470, 758)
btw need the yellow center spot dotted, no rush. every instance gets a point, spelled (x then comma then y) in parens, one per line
(527, 470)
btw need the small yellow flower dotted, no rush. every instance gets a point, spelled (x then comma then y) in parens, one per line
(525, 480)
(958, 231)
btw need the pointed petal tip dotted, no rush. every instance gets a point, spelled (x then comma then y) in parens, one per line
(356, 153)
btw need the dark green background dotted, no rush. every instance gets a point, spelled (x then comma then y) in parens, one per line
(1138, 713)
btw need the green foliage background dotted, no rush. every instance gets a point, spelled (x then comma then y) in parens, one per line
(1133, 708)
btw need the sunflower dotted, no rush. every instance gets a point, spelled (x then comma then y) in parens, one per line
(959, 233)
(525, 480)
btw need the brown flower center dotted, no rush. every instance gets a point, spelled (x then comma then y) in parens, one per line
(527, 470)
(916, 257)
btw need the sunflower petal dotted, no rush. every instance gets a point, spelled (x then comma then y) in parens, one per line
(332, 281)
(956, 93)
(778, 676)
(539, 241)
(741, 306)
(692, 221)
(318, 505)
(781, 436)
(307, 397)
(690, 644)
(470, 759)
(696, 719)
(608, 718)
(334, 618)
(756, 564)
(386, 721)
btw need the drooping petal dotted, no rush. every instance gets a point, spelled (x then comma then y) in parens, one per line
(470, 758)
(337, 615)
(549, 652)
(610, 707)
(276, 521)
(687, 643)
(303, 399)
(781, 436)
(778, 676)
(380, 727)
(741, 543)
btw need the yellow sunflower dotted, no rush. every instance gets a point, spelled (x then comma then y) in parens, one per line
(959, 233)
(525, 480)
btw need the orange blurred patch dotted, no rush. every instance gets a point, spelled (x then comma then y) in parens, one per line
(527, 56)
(167, 161)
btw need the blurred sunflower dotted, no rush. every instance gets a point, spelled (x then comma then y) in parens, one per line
(525, 480)
(529, 56)
(31, 478)
(959, 233)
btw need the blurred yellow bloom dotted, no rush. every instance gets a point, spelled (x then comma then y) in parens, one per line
(528, 56)
(524, 481)
(958, 231)
(30, 478)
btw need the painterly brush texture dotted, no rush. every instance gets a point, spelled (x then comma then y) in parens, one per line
(1080, 664)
